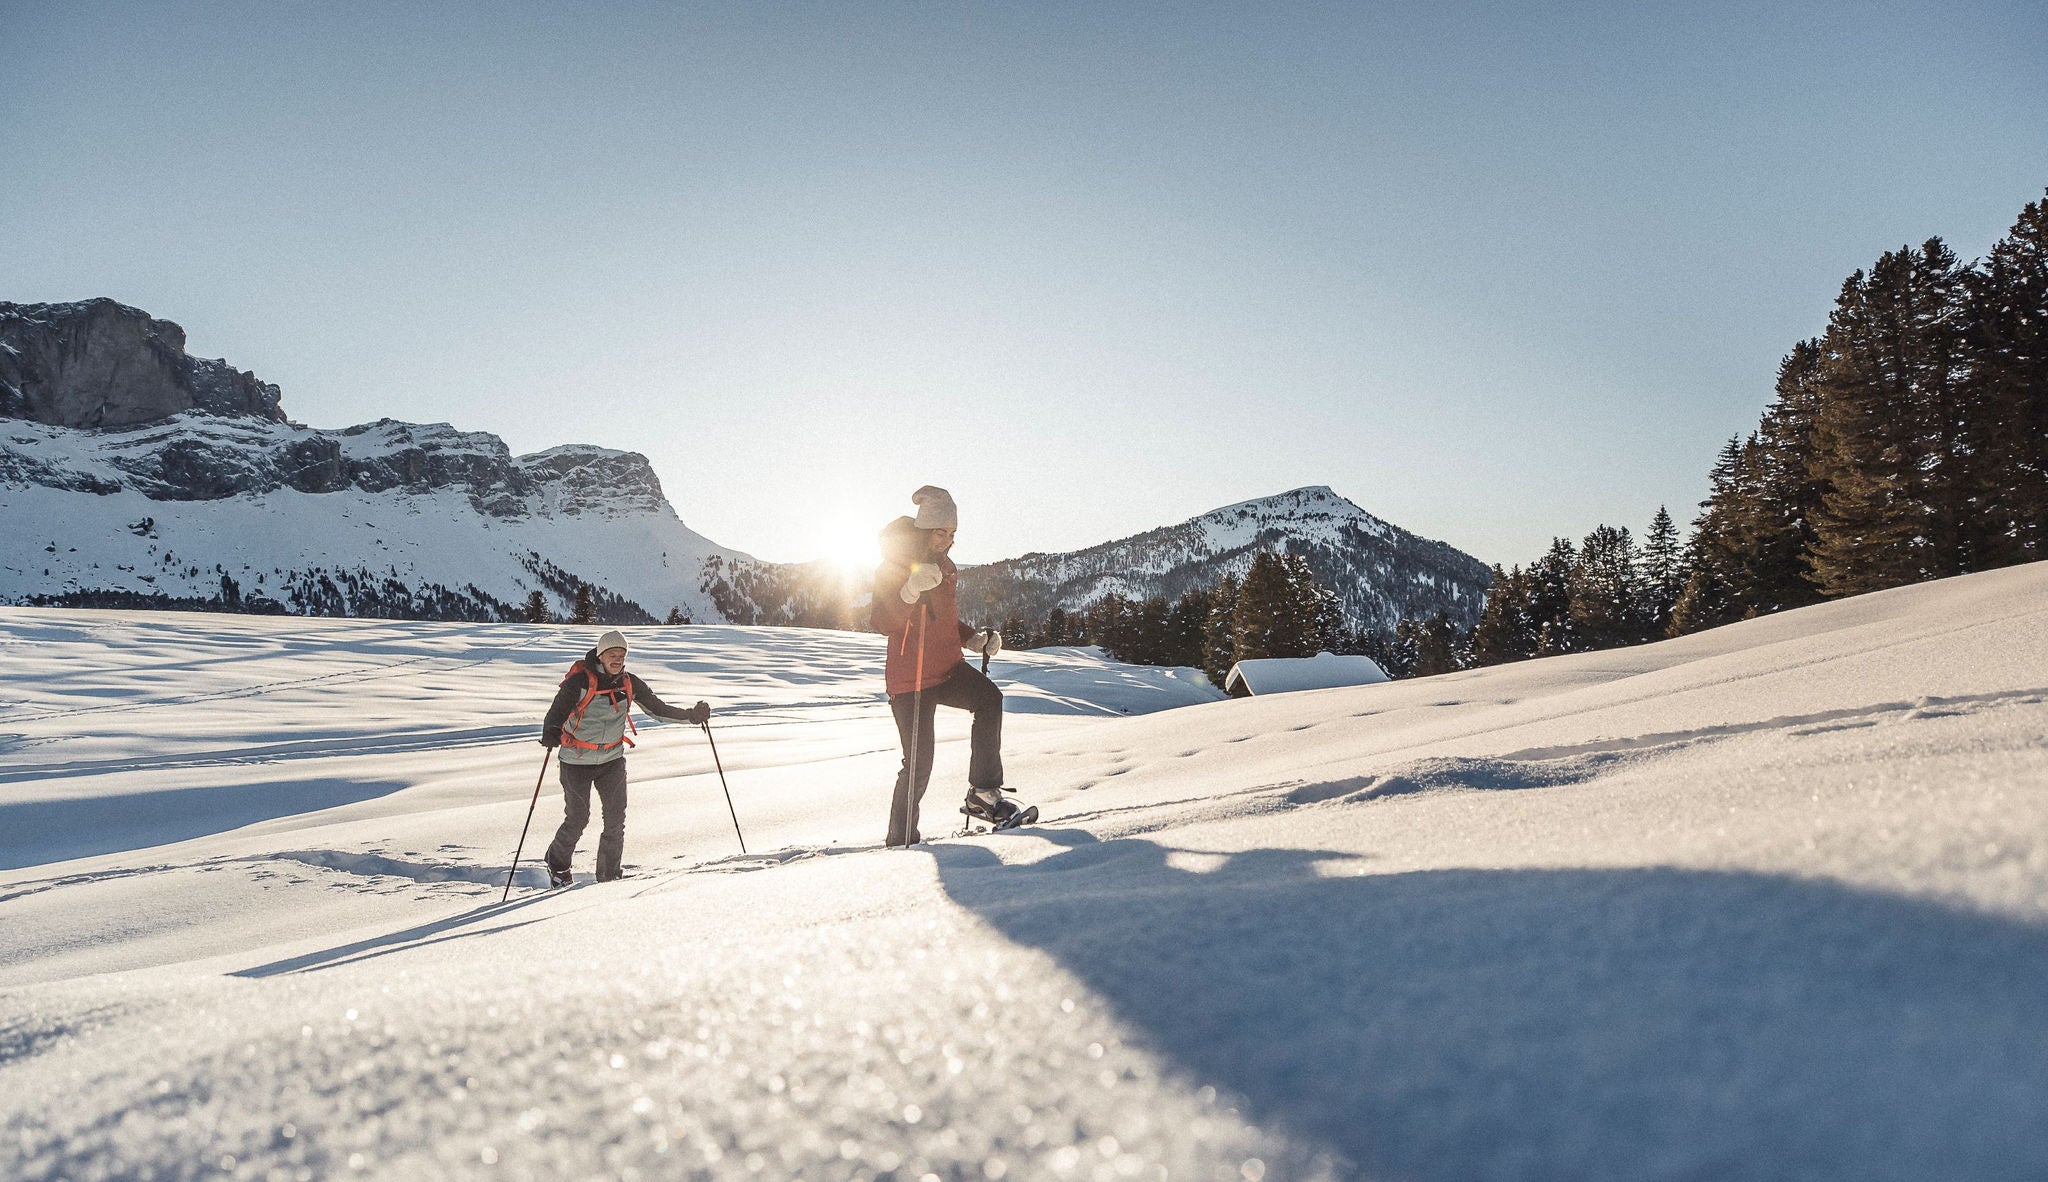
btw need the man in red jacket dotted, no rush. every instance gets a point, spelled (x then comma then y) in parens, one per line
(916, 606)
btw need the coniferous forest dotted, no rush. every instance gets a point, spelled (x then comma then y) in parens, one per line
(1909, 441)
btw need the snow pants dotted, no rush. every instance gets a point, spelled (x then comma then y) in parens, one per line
(577, 780)
(966, 688)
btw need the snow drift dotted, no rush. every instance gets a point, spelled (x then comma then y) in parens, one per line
(1769, 901)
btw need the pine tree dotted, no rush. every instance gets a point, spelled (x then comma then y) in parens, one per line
(1184, 629)
(1429, 646)
(1317, 607)
(1113, 623)
(1661, 575)
(1606, 604)
(1505, 632)
(1277, 615)
(585, 611)
(1781, 497)
(536, 610)
(2005, 347)
(1055, 633)
(1888, 435)
(1550, 599)
(1149, 627)
(1712, 564)
(1402, 652)
(1261, 599)
(677, 615)
(1219, 630)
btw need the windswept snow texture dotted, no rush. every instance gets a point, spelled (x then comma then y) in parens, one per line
(1766, 902)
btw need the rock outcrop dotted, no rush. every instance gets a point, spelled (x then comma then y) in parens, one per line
(97, 363)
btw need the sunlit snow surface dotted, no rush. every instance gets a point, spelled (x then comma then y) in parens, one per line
(1768, 902)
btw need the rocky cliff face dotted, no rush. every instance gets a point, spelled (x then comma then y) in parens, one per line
(131, 473)
(97, 363)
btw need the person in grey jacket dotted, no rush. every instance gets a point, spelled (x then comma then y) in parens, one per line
(589, 721)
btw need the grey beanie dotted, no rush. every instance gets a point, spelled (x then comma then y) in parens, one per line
(610, 640)
(935, 508)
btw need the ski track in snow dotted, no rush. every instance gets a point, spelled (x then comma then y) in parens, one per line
(1770, 902)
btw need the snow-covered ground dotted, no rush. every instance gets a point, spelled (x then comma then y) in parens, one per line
(1767, 902)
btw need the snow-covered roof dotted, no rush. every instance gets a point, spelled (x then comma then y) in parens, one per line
(1280, 675)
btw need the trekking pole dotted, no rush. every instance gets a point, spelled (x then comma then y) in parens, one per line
(916, 721)
(545, 756)
(728, 791)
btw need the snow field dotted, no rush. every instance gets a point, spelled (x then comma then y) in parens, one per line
(1767, 902)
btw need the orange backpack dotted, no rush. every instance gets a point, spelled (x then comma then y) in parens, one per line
(569, 724)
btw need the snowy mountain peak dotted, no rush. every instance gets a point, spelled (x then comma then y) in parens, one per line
(1314, 510)
(1382, 573)
(133, 475)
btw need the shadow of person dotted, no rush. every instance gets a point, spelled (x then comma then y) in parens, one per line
(1569, 1024)
(474, 922)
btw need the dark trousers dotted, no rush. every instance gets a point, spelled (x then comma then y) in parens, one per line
(577, 780)
(966, 688)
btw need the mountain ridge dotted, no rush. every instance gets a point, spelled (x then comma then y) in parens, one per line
(1381, 572)
(134, 475)
(186, 484)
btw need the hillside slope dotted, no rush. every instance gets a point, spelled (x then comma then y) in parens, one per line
(1769, 901)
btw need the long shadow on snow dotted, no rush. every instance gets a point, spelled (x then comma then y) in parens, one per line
(1568, 1024)
(440, 931)
(36, 832)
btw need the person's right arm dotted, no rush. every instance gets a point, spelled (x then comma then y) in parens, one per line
(558, 713)
(887, 613)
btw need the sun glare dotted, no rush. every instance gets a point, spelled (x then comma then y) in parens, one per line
(848, 544)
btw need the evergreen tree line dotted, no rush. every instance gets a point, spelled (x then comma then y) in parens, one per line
(1279, 608)
(1908, 442)
(1606, 592)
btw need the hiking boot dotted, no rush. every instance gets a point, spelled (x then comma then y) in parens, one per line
(987, 804)
(559, 878)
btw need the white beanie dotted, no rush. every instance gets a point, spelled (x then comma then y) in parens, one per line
(610, 640)
(935, 508)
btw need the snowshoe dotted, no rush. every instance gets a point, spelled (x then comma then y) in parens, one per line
(559, 878)
(996, 812)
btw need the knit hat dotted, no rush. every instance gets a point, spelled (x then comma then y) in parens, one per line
(610, 640)
(935, 508)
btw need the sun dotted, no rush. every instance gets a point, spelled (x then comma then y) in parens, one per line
(848, 544)
(855, 556)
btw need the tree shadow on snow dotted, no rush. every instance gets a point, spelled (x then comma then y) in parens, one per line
(37, 832)
(1568, 1024)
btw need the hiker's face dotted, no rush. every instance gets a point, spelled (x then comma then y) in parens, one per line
(938, 541)
(613, 660)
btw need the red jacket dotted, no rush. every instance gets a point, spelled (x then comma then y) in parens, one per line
(931, 626)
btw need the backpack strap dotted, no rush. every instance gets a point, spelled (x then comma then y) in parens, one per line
(589, 694)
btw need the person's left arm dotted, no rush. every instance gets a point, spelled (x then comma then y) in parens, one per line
(651, 703)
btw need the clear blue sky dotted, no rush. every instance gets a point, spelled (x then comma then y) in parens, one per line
(1494, 271)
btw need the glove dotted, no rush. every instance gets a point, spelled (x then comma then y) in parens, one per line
(988, 642)
(552, 737)
(698, 715)
(923, 577)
